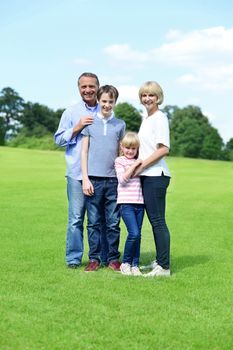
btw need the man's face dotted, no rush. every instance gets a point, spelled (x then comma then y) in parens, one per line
(88, 89)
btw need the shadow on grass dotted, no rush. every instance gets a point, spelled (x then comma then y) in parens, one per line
(178, 262)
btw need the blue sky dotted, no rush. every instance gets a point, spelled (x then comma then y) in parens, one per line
(187, 46)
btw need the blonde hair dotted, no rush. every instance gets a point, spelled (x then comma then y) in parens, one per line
(130, 139)
(151, 87)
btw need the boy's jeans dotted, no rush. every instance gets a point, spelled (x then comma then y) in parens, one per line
(102, 206)
(132, 215)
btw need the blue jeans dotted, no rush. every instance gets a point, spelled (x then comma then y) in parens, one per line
(102, 206)
(132, 215)
(154, 190)
(76, 214)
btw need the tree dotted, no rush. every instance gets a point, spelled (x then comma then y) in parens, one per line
(130, 115)
(11, 106)
(38, 119)
(2, 132)
(212, 145)
(193, 136)
(169, 111)
(228, 151)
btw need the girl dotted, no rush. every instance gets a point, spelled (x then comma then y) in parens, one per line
(130, 200)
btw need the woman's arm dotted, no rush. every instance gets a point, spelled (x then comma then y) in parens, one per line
(88, 188)
(158, 154)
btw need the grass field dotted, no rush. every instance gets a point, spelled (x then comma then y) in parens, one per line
(46, 306)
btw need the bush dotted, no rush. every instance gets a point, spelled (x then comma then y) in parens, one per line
(44, 143)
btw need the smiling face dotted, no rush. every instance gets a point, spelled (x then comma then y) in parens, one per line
(106, 103)
(149, 101)
(88, 89)
(129, 152)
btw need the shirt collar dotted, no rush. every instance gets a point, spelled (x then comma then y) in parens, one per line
(105, 119)
(90, 108)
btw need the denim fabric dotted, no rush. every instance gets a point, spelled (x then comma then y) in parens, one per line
(154, 190)
(76, 213)
(132, 215)
(102, 206)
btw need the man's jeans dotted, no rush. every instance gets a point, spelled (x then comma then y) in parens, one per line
(154, 190)
(132, 215)
(102, 206)
(76, 213)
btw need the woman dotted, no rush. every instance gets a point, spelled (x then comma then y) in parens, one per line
(155, 175)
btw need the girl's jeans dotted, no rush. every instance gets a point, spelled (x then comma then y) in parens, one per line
(132, 215)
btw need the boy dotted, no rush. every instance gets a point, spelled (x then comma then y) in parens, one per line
(100, 147)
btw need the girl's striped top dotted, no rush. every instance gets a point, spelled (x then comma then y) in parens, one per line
(129, 191)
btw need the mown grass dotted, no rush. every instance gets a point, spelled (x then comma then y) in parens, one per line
(46, 306)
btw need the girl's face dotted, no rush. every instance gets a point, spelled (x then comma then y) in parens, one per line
(129, 152)
(106, 105)
(149, 100)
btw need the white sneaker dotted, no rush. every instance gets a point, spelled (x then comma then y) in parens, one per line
(158, 271)
(125, 269)
(135, 271)
(152, 265)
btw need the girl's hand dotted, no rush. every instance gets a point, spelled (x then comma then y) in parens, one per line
(138, 162)
(88, 188)
(138, 170)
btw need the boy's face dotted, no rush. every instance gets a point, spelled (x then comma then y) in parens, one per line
(88, 90)
(106, 104)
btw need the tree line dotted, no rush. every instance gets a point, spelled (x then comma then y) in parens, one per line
(32, 125)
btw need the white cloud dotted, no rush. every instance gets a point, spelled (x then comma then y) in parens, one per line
(128, 93)
(207, 54)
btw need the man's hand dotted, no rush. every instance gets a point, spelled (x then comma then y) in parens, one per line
(84, 121)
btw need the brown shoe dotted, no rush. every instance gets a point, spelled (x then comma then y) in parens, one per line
(92, 266)
(114, 265)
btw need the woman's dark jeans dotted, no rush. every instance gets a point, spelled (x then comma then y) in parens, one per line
(154, 190)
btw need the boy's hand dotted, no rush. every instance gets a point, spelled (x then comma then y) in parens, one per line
(88, 188)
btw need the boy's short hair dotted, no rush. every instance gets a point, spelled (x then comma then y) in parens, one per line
(151, 87)
(89, 75)
(108, 89)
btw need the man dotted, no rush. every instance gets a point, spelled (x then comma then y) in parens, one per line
(68, 135)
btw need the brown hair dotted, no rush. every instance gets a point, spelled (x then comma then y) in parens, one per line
(89, 75)
(108, 89)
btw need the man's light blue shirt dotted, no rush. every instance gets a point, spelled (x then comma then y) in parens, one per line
(63, 136)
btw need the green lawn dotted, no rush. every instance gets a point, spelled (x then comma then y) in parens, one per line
(46, 306)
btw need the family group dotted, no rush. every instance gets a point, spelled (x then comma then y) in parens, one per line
(112, 174)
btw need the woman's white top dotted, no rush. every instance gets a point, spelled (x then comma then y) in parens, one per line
(154, 130)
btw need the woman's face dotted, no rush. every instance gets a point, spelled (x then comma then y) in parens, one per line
(149, 101)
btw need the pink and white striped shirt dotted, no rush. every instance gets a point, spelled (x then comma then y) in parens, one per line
(129, 191)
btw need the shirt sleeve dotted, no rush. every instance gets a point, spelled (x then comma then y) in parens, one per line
(162, 133)
(120, 169)
(122, 131)
(86, 131)
(63, 136)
